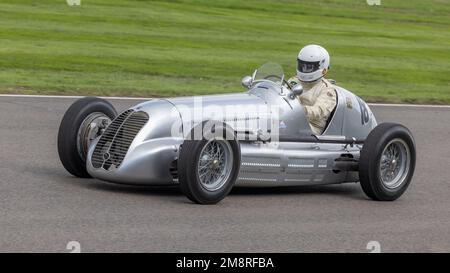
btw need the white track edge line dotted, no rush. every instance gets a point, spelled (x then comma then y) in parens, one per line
(409, 105)
(142, 98)
(69, 97)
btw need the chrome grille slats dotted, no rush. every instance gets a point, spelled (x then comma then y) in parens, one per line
(113, 145)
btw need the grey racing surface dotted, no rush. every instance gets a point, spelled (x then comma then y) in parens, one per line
(43, 207)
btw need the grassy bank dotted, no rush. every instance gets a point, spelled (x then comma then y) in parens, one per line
(395, 52)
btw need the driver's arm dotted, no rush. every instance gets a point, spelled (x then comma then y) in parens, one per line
(324, 105)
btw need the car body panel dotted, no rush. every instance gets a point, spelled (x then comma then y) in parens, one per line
(151, 159)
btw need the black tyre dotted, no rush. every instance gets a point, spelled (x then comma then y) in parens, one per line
(208, 167)
(387, 162)
(83, 121)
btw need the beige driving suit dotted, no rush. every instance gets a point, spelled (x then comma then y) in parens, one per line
(318, 99)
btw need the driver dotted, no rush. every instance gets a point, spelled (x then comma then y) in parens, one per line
(319, 96)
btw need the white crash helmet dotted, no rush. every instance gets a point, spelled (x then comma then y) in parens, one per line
(313, 63)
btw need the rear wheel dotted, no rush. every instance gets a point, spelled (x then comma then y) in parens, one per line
(85, 120)
(387, 162)
(208, 167)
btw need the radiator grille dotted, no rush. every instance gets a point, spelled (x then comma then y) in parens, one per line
(115, 141)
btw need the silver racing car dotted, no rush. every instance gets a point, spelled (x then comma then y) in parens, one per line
(260, 137)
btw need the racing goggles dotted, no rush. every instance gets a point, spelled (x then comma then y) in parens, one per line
(307, 67)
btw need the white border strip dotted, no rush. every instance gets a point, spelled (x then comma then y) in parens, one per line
(142, 98)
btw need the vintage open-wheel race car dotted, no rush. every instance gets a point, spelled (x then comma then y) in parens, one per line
(261, 137)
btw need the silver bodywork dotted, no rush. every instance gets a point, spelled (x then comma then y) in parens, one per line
(151, 158)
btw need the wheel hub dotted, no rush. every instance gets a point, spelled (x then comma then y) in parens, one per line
(93, 126)
(215, 164)
(394, 165)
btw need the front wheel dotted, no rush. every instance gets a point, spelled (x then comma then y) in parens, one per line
(208, 166)
(387, 162)
(85, 120)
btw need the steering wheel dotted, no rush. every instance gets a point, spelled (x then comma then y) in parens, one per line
(279, 78)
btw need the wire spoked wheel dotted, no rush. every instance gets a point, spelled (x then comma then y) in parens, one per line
(208, 167)
(387, 162)
(215, 164)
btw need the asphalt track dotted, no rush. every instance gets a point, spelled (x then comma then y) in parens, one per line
(43, 208)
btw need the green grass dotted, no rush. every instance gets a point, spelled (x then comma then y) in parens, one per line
(396, 52)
